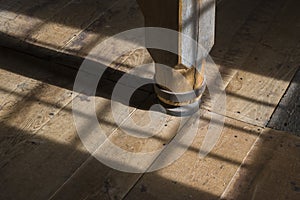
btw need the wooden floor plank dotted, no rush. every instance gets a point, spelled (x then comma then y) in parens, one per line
(253, 97)
(238, 32)
(37, 139)
(104, 176)
(191, 177)
(27, 105)
(11, 81)
(95, 180)
(49, 158)
(228, 24)
(68, 23)
(7, 9)
(263, 77)
(107, 25)
(282, 37)
(25, 16)
(16, 88)
(271, 170)
(44, 159)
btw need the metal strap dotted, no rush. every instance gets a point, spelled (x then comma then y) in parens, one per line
(179, 97)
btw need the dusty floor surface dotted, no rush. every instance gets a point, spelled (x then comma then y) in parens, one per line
(41, 156)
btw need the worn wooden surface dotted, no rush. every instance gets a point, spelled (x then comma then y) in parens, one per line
(191, 177)
(28, 144)
(270, 171)
(270, 60)
(252, 94)
(41, 154)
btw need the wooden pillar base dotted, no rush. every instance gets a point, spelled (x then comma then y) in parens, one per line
(180, 86)
(179, 91)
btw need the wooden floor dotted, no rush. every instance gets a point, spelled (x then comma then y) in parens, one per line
(42, 44)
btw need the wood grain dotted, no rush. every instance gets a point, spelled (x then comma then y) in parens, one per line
(68, 23)
(188, 177)
(106, 182)
(26, 105)
(237, 33)
(38, 133)
(271, 170)
(23, 17)
(262, 73)
(42, 156)
(101, 29)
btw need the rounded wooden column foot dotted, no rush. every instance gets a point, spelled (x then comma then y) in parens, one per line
(179, 89)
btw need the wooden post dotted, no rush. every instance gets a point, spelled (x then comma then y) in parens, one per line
(194, 18)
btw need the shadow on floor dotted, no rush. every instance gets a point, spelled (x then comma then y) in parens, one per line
(41, 165)
(35, 167)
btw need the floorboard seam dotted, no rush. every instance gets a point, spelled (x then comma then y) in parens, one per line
(238, 170)
(87, 160)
